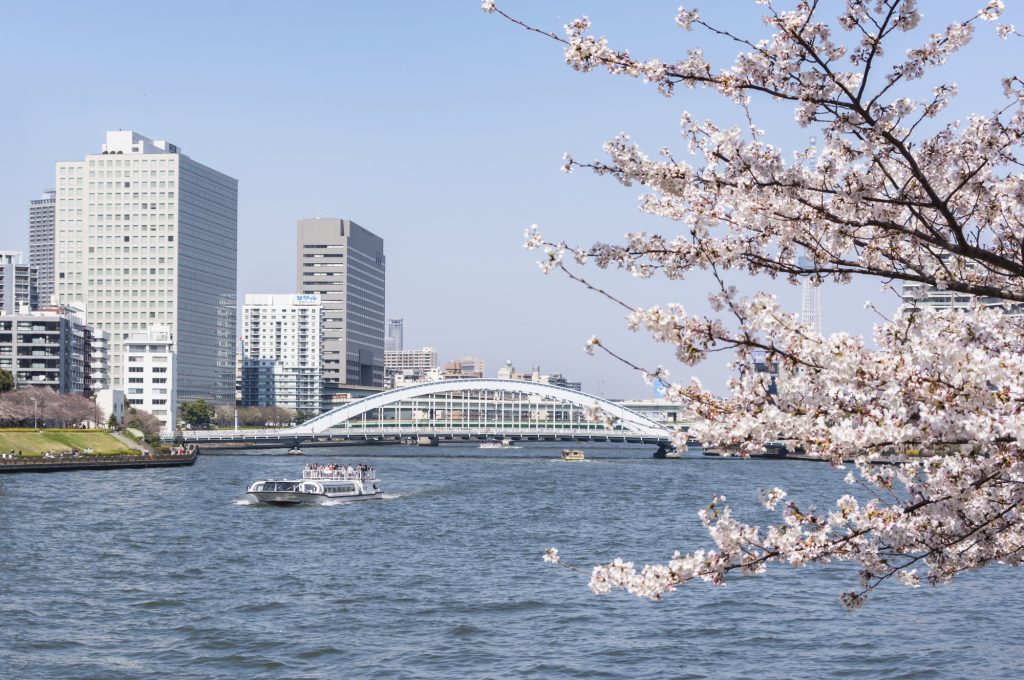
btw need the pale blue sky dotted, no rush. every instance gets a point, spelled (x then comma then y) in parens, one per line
(432, 124)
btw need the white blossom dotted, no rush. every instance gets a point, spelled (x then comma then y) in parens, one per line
(880, 196)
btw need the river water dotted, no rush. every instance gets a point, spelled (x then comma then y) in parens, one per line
(171, 574)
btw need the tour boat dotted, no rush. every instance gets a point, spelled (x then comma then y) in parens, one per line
(572, 454)
(320, 484)
(503, 444)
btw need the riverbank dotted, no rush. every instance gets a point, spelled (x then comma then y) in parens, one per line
(95, 462)
(214, 447)
(884, 460)
(34, 443)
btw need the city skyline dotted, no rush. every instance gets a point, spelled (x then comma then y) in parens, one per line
(449, 170)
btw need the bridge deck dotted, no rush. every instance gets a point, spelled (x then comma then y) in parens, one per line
(371, 434)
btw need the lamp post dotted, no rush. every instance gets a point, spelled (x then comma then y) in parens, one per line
(35, 413)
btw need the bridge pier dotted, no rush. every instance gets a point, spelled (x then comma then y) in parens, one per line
(666, 451)
(426, 440)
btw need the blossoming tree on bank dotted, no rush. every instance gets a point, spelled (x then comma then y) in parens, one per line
(892, 193)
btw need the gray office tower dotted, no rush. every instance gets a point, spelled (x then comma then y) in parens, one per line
(344, 264)
(42, 213)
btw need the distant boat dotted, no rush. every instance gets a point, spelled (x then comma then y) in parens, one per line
(503, 444)
(572, 455)
(296, 451)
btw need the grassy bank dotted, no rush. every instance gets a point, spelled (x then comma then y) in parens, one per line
(36, 442)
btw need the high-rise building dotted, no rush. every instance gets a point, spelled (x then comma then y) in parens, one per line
(147, 236)
(41, 239)
(18, 284)
(394, 342)
(281, 351)
(343, 263)
(148, 374)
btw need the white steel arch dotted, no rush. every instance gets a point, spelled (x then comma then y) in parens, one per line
(629, 420)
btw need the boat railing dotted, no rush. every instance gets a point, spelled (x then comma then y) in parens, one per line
(338, 475)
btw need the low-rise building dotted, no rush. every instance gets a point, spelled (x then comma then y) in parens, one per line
(47, 348)
(408, 366)
(468, 367)
(111, 403)
(149, 375)
(508, 372)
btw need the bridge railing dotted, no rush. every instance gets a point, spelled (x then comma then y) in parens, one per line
(482, 433)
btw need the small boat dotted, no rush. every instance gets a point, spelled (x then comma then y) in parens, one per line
(573, 455)
(503, 444)
(296, 451)
(320, 484)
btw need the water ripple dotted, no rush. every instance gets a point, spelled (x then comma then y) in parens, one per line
(172, 573)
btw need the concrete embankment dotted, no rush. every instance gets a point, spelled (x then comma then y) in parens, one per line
(41, 464)
(215, 447)
(883, 460)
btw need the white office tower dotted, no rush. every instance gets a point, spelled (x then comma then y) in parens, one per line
(147, 236)
(344, 264)
(41, 225)
(148, 374)
(810, 309)
(281, 351)
(19, 290)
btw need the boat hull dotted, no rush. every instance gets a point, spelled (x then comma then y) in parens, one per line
(304, 498)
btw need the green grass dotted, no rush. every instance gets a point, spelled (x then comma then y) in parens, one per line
(35, 443)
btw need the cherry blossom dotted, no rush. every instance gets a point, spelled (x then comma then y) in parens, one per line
(884, 196)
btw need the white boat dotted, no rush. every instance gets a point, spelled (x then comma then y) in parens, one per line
(502, 444)
(320, 484)
(296, 451)
(573, 455)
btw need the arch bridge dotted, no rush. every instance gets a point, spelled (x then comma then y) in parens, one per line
(467, 409)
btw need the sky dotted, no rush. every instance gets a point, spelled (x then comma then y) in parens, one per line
(434, 125)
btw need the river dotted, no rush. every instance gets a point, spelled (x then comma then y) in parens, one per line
(172, 574)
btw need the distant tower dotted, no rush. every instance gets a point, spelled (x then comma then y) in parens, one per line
(42, 223)
(394, 342)
(810, 311)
